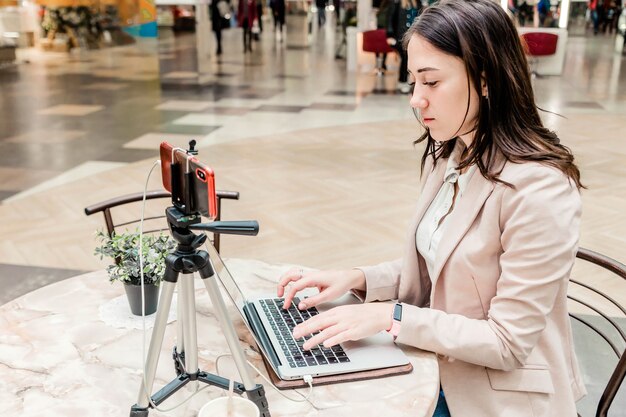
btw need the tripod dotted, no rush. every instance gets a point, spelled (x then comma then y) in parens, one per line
(186, 260)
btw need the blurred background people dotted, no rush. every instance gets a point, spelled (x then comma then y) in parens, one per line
(246, 14)
(321, 12)
(543, 8)
(610, 13)
(259, 14)
(400, 16)
(595, 18)
(382, 21)
(278, 12)
(220, 19)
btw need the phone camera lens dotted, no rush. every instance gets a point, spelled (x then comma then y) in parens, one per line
(201, 175)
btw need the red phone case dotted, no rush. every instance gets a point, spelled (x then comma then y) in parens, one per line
(204, 198)
(166, 164)
(204, 187)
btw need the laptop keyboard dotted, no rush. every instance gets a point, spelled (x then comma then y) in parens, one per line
(283, 321)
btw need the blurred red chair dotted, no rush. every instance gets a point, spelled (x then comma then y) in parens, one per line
(375, 41)
(539, 44)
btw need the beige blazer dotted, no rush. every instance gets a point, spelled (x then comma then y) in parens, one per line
(495, 312)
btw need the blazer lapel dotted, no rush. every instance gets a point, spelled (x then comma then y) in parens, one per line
(429, 191)
(430, 188)
(461, 218)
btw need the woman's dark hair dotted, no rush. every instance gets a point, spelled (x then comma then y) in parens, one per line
(480, 33)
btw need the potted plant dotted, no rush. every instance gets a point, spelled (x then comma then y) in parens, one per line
(123, 249)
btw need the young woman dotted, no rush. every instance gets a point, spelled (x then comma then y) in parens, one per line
(484, 275)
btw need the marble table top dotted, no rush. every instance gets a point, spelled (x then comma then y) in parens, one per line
(60, 357)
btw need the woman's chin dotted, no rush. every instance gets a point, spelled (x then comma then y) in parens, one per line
(438, 136)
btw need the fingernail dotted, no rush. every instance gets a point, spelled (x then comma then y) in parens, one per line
(302, 306)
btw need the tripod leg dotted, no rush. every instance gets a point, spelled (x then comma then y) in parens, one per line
(156, 341)
(180, 325)
(255, 392)
(190, 335)
(178, 353)
(229, 332)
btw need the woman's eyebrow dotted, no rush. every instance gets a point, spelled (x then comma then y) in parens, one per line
(427, 69)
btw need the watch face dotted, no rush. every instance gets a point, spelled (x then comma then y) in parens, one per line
(397, 312)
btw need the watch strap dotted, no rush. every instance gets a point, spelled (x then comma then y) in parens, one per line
(396, 323)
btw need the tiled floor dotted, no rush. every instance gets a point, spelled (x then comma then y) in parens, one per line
(71, 110)
(323, 158)
(17, 280)
(184, 105)
(47, 136)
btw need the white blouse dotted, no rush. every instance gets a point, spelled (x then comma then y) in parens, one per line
(432, 227)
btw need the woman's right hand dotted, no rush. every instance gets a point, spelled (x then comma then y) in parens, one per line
(331, 285)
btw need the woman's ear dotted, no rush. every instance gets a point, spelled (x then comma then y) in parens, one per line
(484, 90)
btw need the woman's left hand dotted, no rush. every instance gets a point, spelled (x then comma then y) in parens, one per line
(351, 322)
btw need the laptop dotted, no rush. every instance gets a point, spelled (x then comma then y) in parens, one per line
(272, 328)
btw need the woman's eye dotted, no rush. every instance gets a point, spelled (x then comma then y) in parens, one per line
(430, 83)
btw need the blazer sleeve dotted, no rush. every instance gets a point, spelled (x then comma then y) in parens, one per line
(381, 281)
(539, 223)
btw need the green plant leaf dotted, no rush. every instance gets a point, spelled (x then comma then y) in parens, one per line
(123, 250)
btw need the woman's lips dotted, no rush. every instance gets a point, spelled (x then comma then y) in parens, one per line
(428, 119)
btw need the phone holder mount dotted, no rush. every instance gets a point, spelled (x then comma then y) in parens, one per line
(192, 148)
(187, 259)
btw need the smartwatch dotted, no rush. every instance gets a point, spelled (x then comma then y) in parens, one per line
(397, 319)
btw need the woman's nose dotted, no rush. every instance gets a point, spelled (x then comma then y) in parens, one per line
(418, 101)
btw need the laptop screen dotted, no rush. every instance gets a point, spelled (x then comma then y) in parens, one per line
(227, 281)
(244, 307)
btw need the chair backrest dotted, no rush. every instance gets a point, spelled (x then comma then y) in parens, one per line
(376, 41)
(598, 302)
(540, 43)
(106, 206)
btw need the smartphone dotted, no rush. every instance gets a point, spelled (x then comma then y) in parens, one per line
(191, 182)
(170, 156)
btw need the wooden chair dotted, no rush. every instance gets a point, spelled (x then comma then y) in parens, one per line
(616, 338)
(106, 206)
